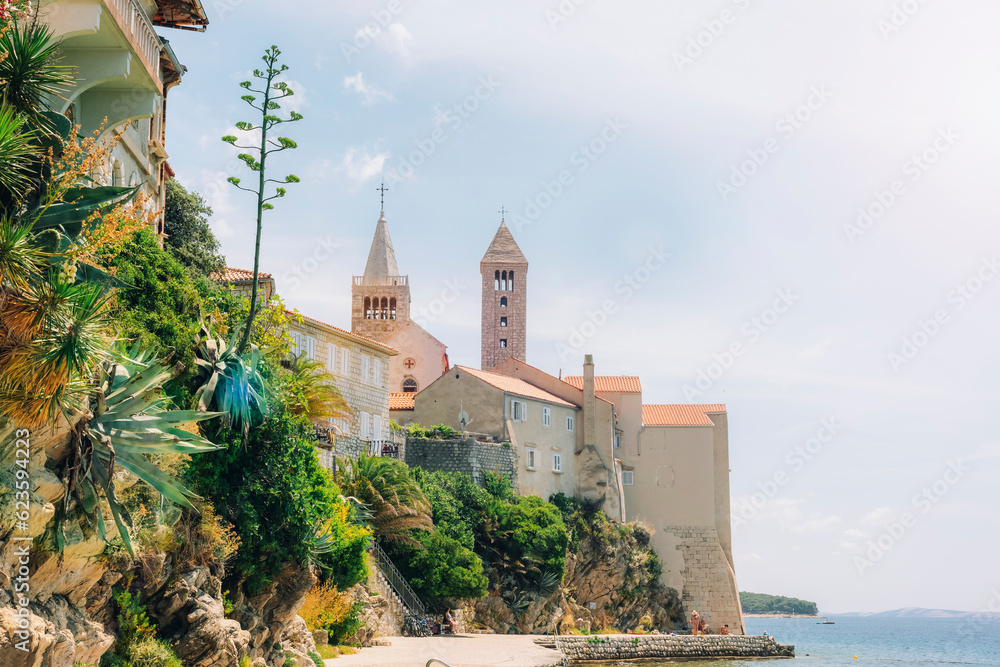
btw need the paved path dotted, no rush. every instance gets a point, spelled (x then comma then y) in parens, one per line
(460, 651)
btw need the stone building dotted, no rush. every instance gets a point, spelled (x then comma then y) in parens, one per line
(124, 70)
(240, 281)
(561, 437)
(675, 476)
(540, 426)
(504, 271)
(361, 368)
(380, 309)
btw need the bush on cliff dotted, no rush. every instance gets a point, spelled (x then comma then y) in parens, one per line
(443, 568)
(516, 537)
(274, 491)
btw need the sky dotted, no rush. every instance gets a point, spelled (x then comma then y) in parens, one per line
(787, 207)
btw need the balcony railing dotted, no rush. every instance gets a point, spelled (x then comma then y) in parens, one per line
(138, 27)
(381, 281)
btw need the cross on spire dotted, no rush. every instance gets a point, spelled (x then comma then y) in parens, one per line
(383, 190)
(502, 211)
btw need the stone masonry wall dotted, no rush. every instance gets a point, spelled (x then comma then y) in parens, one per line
(467, 456)
(709, 584)
(631, 647)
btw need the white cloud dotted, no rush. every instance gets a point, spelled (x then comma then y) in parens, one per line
(879, 516)
(360, 166)
(369, 93)
(395, 38)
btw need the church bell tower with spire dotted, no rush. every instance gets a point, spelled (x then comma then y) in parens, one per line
(504, 270)
(381, 296)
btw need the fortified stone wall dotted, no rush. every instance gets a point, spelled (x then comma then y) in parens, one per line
(709, 581)
(467, 456)
(626, 647)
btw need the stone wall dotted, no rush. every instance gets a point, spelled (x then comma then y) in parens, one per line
(467, 456)
(631, 647)
(709, 582)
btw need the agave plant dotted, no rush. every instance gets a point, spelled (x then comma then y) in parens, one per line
(128, 420)
(233, 384)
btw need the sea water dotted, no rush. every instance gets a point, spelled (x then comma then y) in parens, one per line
(876, 642)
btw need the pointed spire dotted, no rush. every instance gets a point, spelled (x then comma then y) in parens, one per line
(504, 248)
(381, 257)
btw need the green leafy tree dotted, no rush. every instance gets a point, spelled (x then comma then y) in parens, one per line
(189, 236)
(273, 90)
(445, 568)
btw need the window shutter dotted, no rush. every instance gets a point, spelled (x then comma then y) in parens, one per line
(365, 368)
(628, 479)
(365, 433)
(345, 361)
(524, 411)
(378, 372)
(331, 357)
(377, 430)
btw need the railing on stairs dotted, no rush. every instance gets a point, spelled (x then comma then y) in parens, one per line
(398, 584)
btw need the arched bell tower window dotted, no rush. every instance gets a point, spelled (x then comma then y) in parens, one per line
(503, 281)
(510, 280)
(385, 308)
(392, 308)
(496, 281)
(409, 386)
(368, 308)
(503, 302)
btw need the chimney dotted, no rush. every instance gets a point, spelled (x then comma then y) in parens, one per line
(589, 402)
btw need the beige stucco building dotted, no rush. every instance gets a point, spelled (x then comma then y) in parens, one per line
(124, 70)
(562, 437)
(361, 368)
(380, 309)
(675, 476)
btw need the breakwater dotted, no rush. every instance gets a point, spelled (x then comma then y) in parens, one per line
(633, 647)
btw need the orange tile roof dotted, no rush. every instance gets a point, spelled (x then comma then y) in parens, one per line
(515, 386)
(680, 414)
(625, 384)
(401, 400)
(366, 339)
(231, 275)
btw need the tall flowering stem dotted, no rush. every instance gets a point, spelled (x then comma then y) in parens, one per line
(272, 90)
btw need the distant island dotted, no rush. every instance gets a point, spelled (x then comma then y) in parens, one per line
(918, 612)
(760, 604)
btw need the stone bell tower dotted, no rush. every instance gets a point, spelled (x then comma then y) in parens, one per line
(505, 287)
(380, 299)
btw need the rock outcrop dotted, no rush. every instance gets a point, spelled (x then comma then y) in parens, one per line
(71, 618)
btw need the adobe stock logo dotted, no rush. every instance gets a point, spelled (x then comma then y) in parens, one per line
(923, 502)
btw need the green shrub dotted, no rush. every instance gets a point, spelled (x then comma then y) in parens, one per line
(161, 308)
(274, 491)
(347, 626)
(439, 432)
(154, 653)
(445, 568)
(137, 645)
(317, 659)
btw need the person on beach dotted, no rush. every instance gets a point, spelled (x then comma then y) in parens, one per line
(449, 621)
(695, 622)
(724, 630)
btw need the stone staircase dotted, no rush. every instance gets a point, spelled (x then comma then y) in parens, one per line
(390, 583)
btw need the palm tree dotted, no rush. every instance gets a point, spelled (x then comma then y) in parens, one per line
(312, 392)
(397, 504)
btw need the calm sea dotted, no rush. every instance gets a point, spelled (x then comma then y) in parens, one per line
(877, 642)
